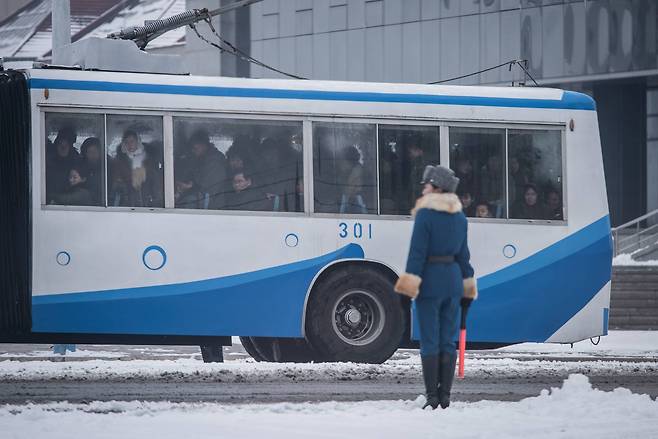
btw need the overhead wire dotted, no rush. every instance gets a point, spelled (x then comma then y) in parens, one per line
(509, 63)
(233, 50)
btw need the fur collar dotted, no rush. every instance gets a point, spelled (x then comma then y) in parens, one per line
(441, 202)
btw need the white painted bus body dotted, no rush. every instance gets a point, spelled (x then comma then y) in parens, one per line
(249, 273)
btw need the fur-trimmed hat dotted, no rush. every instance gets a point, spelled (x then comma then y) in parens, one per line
(440, 177)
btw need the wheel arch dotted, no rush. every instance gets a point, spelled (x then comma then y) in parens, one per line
(380, 266)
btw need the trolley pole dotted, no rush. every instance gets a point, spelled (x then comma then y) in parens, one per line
(61, 22)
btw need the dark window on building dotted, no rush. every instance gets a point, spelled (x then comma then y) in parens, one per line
(404, 151)
(535, 174)
(477, 155)
(75, 159)
(251, 165)
(135, 161)
(345, 168)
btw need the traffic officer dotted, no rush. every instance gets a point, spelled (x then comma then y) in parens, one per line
(438, 275)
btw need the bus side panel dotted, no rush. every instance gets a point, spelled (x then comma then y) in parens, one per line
(15, 236)
(267, 302)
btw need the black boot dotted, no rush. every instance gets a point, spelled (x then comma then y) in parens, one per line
(447, 363)
(431, 378)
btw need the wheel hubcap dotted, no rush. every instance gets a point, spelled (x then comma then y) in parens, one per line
(358, 317)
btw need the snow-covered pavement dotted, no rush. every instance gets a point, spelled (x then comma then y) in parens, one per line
(573, 410)
(627, 352)
(129, 391)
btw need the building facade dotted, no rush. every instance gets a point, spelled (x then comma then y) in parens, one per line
(606, 48)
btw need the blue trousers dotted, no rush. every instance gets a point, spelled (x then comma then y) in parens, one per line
(437, 318)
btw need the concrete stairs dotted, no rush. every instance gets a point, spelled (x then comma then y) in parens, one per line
(634, 298)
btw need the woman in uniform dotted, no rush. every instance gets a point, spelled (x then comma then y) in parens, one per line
(438, 275)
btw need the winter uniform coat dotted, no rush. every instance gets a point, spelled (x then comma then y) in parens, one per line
(440, 229)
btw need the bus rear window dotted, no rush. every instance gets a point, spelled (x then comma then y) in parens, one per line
(535, 174)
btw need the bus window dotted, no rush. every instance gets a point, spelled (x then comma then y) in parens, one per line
(135, 161)
(535, 174)
(477, 155)
(251, 165)
(404, 151)
(344, 168)
(75, 159)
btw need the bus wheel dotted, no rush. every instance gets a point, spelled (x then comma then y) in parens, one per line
(283, 350)
(248, 346)
(354, 315)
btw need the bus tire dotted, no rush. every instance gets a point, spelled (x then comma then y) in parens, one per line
(283, 350)
(354, 315)
(248, 346)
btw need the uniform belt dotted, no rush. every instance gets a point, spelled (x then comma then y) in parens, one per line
(441, 259)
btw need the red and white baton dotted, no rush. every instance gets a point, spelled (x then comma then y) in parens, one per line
(465, 303)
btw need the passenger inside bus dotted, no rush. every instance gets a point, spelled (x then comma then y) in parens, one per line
(554, 202)
(530, 207)
(136, 176)
(208, 172)
(246, 196)
(464, 171)
(412, 170)
(492, 187)
(239, 154)
(350, 173)
(519, 177)
(467, 201)
(77, 193)
(92, 157)
(482, 210)
(278, 170)
(61, 156)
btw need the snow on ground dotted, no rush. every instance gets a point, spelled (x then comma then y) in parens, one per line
(574, 410)
(523, 359)
(626, 259)
(616, 344)
(402, 365)
(79, 353)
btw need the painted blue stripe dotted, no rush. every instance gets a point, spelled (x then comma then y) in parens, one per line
(267, 302)
(570, 100)
(532, 299)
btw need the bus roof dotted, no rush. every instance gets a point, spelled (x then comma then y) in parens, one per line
(520, 97)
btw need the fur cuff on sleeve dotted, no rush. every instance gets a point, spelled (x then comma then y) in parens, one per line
(470, 288)
(408, 284)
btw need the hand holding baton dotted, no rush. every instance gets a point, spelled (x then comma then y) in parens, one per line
(465, 304)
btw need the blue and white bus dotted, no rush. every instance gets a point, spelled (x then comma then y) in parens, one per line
(143, 208)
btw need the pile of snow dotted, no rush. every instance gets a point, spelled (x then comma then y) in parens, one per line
(574, 410)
